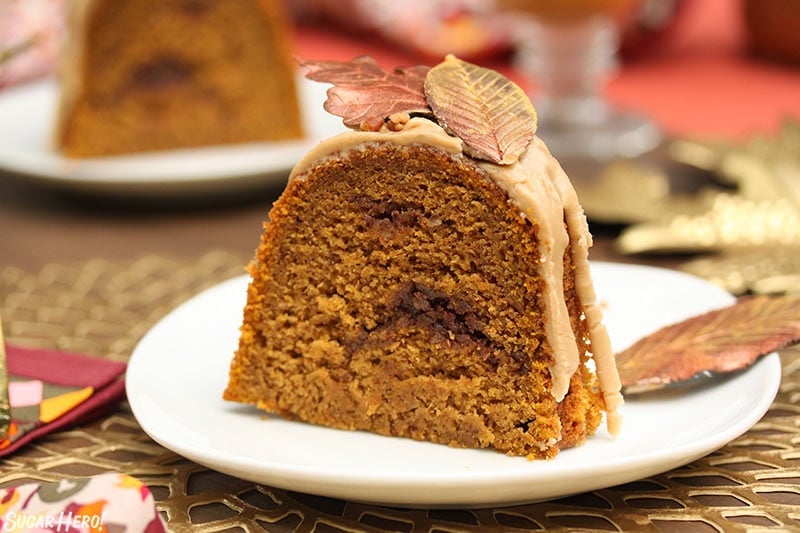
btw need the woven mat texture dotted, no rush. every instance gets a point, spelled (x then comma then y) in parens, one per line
(103, 309)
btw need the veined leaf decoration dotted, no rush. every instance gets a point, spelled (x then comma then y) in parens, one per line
(720, 341)
(491, 114)
(364, 94)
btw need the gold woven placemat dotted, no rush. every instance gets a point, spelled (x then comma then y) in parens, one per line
(103, 309)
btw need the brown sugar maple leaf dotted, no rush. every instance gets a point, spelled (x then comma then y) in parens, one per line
(720, 341)
(364, 94)
(491, 114)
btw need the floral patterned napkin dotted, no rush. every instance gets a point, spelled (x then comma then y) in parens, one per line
(98, 504)
(49, 390)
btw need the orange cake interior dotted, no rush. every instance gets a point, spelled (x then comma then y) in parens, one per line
(405, 288)
(144, 75)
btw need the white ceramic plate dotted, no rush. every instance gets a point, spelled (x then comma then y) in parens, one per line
(178, 372)
(27, 116)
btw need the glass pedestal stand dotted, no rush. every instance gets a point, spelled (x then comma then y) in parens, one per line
(569, 64)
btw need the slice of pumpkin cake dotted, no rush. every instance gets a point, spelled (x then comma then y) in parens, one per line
(148, 75)
(426, 275)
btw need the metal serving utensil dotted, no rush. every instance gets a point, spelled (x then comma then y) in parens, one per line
(698, 380)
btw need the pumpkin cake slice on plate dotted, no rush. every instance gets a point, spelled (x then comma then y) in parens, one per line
(426, 275)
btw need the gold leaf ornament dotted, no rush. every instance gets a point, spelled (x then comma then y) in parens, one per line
(763, 211)
(491, 114)
(758, 270)
(720, 341)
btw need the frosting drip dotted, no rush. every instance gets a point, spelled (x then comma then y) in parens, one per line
(542, 191)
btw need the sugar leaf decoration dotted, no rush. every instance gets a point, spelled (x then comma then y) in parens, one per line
(364, 94)
(720, 341)
(491, 115)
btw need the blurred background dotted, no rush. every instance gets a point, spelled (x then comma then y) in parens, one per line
(687, 63)
(677, 120)
(709, 91)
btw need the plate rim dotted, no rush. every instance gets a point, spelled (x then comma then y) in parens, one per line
(331, 483)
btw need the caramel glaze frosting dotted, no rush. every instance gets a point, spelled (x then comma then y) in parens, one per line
(537, 184)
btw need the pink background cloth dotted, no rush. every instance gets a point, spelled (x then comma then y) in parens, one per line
(703, 79)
